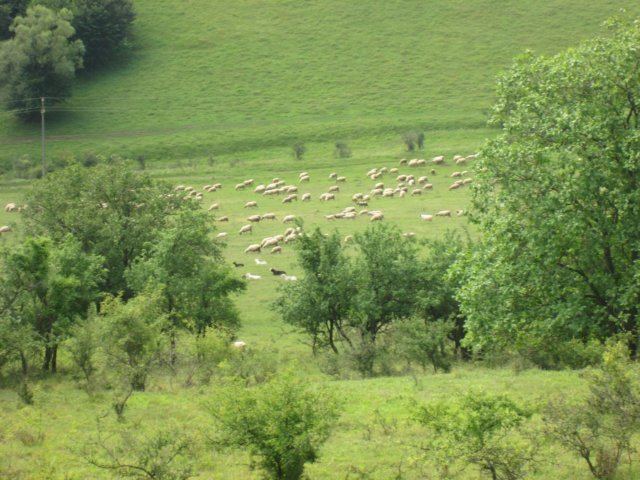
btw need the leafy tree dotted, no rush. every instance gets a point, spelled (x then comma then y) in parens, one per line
(10, 9)
(482, 430)
(439, 302)
(282, 423)
(320, 303)
(557, 199)
(133, 337)
(111, 210)
(40, 60)
(103, 26)
(48, 288)
(187, 266)
(388, 274)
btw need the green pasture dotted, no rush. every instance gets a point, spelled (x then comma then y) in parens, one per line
(214, 77)
(375, 435)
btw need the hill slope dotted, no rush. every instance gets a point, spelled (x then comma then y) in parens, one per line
(209, 77)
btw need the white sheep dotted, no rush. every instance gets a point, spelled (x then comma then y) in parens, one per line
(333, 176)
(341, 179)
(222, 235)
(426, 217)
(5, 229)
(254, 218)
(239, 186)
(288, 218)
(306, 197)
(376, 217)
(268, 216)
(223, 219)
(214, 206)
(289, 278)
(239, 344)
(251, 276)
(254, 247)
(10, 207)
(260, 188)
(443, 213)
(260, 262)
(276, 250)
(334, 189)
(246, 229)
(251, 204)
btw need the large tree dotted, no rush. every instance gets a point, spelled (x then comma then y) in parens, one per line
(44, 290)
(186, 265)
(103, 26)
(110, 209)
(557, 199)
(40, 60)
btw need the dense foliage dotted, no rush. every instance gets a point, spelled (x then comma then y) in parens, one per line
(558, 202)
(40, 60)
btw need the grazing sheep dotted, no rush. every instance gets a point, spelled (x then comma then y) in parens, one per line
(393, 170)
(10, 207)
(214, 206)
(223, 219)
(248, 182)
(460, 213)
(240, 186)
(260, 189)
(251, 276)
(439, 160)
(251, 204)
(216, 186)
(277, 272)
(254, 218)
(333, 176)
(303, 174)
(426, 217)
(416, 191)
(330, 217)
(306, 178)
(260, 262)
(327, 196)
(289, 278)
(306, 197)
(456, 174)
(240, 345)
(288, 218)
(276, 250)
(403, 161)
(269, 242)
(376, 217)
(341, 179)
(246, 229)
(290, 198)
(377, 185)
(467, 181)
(222, 235)
(334, 188)
(348, 239)
(268, 216)
(5, 229)
(427, 186)
(443, 213)
(238, 265)
(455, 186)
(461, 161)
(254, 247)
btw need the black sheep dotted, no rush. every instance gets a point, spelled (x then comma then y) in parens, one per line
(238, 265)
(277, 272)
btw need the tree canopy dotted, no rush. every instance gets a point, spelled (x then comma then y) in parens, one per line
(40, 60)
(557, 199)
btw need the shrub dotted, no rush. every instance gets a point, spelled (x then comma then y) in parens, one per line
(479, 429)
(299, 149)
(425, 343)
(282, 424)
(342, 150)
(600, 428)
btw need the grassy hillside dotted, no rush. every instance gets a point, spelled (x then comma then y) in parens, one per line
(211, 77)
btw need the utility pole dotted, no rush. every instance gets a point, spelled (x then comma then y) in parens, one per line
(44, 158)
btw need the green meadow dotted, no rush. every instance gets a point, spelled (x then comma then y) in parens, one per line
(218, 91)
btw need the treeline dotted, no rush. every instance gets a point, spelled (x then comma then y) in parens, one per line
(45, 42)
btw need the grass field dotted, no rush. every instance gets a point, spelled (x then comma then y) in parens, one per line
(215, 77)
(217, 91)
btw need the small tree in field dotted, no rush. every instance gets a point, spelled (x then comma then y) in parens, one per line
(281, 423)
(482, 430)
(601, 427)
